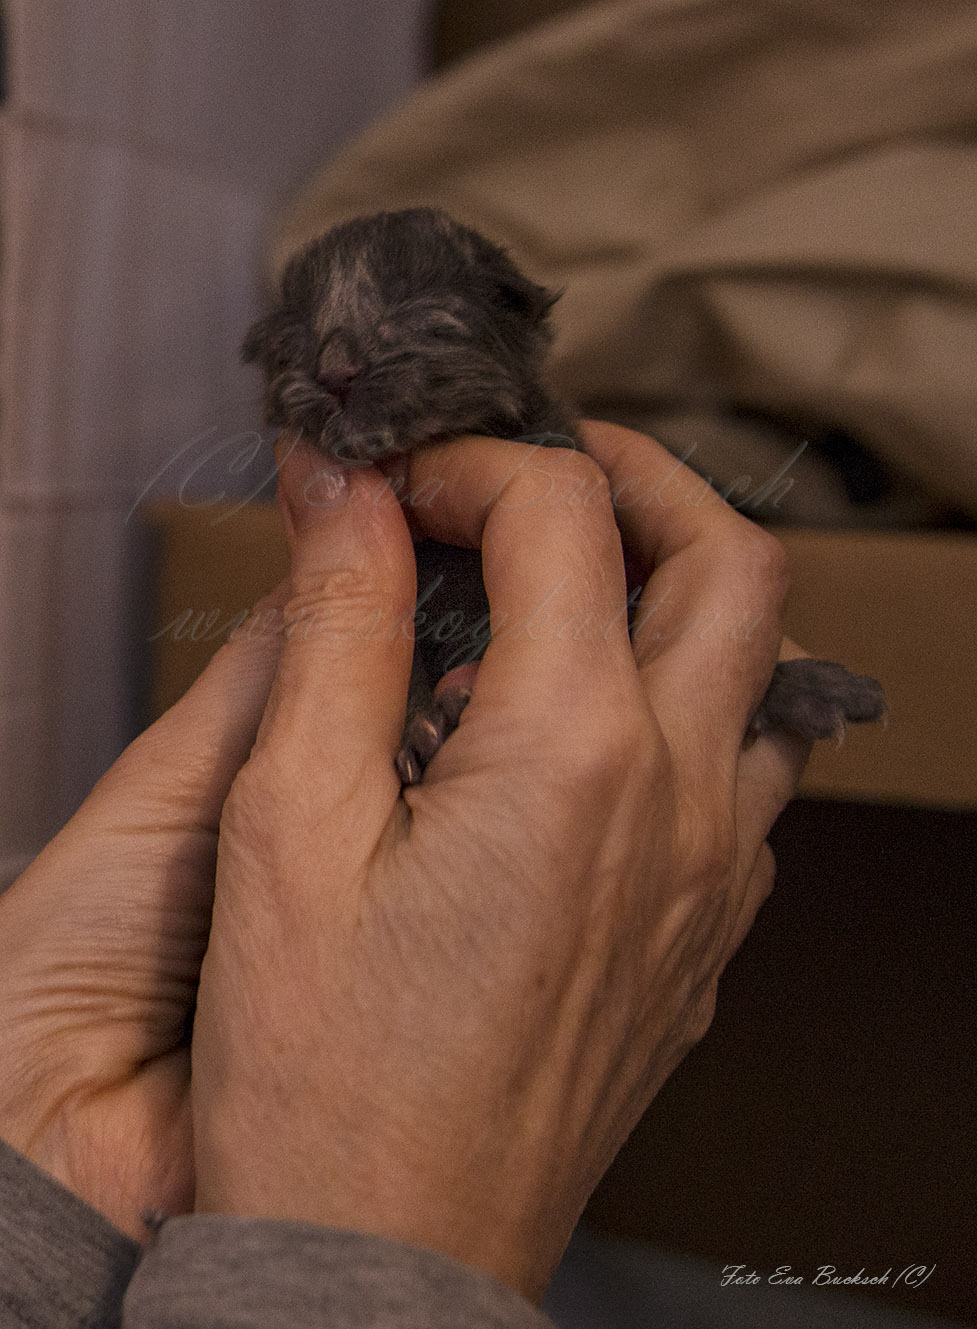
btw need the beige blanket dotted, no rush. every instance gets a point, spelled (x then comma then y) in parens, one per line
(764, 217)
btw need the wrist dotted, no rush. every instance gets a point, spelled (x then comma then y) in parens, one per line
(463, 1221)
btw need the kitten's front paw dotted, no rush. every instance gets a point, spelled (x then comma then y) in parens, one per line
(427, 729)
(816, 698)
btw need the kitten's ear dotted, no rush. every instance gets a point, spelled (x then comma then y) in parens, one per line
(270, 339)
(256, 340)
(526, 298)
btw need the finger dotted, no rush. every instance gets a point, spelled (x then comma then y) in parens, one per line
(768, 774)
(553, 569)
(766, 780)
(178, 772)
(759, 884)
(707, 629)
(156, 811)
(337, 704)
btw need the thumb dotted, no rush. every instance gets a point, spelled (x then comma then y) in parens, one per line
(336, 711)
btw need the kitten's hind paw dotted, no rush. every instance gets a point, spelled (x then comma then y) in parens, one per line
(427, 729)
(816, 698)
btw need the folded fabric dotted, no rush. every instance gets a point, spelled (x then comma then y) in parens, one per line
(761, 214)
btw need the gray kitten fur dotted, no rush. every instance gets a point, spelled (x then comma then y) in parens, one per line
(403, 328)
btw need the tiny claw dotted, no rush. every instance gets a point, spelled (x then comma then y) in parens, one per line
(427, 730)
(424, 736)
(408, 767)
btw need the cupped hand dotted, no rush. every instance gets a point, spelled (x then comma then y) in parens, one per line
(435, 1013)
(101, 940)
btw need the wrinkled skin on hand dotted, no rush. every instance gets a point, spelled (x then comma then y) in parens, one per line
(100, 947)
(431, 1013)
(435, 1013)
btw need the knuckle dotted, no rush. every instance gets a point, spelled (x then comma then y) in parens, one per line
(583, 471)
(586, 486)
(709, 854)
(247, 806)
(764, 557)
(340, 600)
(554, 476)
(331, 585)
(770, 557)
(264, 820)
(608, 748)
(701, 1015)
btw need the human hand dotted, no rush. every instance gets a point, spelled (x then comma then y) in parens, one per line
(436, 1013)
(100, 946)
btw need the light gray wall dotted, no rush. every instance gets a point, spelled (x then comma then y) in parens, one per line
(145, 144)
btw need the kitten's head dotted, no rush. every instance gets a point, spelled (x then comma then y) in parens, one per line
(397, 329)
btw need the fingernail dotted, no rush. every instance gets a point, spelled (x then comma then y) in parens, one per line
(310, 486)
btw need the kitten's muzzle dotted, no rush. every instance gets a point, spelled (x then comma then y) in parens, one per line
(340, 362)
(337, 382)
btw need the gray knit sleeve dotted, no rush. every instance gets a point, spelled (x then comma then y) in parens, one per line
(62, 1265)
(209, 1272)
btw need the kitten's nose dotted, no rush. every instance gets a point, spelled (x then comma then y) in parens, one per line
(337, 380)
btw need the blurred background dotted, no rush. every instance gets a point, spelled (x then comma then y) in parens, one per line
(762, 214)
(144, 148)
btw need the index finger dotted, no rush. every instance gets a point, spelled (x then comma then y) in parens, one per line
(707, 630)
(552, 563)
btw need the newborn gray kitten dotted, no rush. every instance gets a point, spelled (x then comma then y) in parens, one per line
(403, 328)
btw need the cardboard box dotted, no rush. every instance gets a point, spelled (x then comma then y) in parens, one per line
(900, 606)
